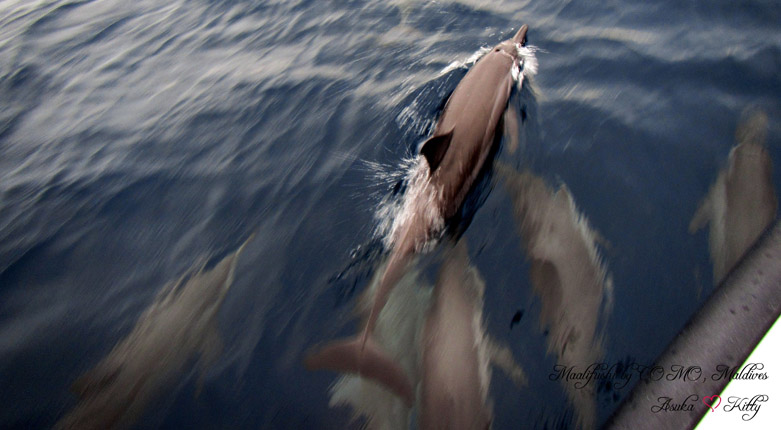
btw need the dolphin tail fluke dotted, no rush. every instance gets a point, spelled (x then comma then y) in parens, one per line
(365, 358)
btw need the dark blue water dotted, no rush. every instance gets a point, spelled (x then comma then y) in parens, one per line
(137, 137)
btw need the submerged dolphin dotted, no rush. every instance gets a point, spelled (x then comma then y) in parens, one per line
(743, 307)
(568, 276)
(397, 333)
(418, 327)
(742, 202)
(177, 327)
(457, 351)
(455, 154)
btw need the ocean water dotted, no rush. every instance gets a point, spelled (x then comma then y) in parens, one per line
(140, 140)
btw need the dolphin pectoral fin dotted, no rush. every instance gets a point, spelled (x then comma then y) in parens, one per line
(511, 128)
(702, 216)
(365, 359)
(501, 357)
(435, 148)
(96, 379)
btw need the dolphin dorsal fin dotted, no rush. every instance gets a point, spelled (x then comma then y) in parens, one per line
(435, 148)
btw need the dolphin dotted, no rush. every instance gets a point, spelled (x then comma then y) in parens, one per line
(454, 156)
(454, 390)
(178, 326)
(745, 248)
(744, 307)
(397, 333)
(742, 202)
(567, 274)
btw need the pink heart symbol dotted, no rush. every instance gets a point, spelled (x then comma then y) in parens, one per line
(709, 401)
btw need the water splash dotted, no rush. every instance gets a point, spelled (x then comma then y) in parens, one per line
(527, 66)
(472, 59)
(421, 197)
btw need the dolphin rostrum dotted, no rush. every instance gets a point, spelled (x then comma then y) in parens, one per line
(454, 155)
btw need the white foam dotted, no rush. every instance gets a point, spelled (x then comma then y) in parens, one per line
(527, 65)
(466, 62)
(420, 199)
(528, 55)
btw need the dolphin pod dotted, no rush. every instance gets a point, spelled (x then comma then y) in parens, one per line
(180, 323)
(454, 156)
